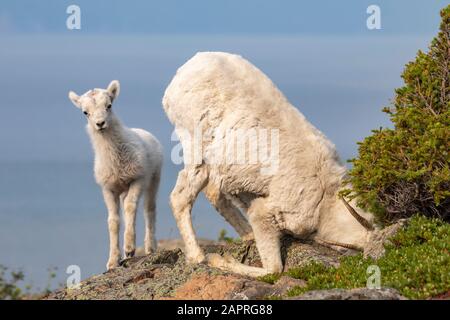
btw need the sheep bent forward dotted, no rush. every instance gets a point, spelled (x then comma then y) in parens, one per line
(221, 90)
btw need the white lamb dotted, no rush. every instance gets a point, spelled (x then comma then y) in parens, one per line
(127, 165)
(221, 90)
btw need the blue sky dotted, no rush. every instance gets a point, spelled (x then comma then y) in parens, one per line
(325, 17)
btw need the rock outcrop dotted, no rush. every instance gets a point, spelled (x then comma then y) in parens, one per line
(165, 275)
(353, 294)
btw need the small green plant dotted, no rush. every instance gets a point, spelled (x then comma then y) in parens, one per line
(401, 171)
(51, 277)
(9, 289)
(270, 278)
(224, 238)
(416, 263)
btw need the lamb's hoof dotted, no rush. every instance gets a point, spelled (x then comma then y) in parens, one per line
(149, 249)
(130, 254)
(199, 258)
(112, 264)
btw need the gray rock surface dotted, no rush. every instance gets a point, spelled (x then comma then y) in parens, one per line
(166, 275)
(353, 294)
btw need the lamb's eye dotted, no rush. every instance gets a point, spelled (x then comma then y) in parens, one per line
(85, 113)
(108, 107)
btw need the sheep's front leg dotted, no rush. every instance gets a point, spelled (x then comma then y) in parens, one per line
(150, 242)
(189, 183)
(113, 205)
(267, 238)
(130, 205)
(229, 211)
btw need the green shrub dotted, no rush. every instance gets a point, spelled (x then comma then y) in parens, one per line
(405, 170)
(416, 263)
(224, 238)
(8, 284)
(11, 290)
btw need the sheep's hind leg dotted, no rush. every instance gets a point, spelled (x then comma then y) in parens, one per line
(267, 239)
(229, 211)
(189, 183)
(150, 215)
(113, 206)
(130, 205)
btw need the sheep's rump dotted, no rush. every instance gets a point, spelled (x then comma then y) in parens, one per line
(217, 89)
(224, 91)
(214, 86)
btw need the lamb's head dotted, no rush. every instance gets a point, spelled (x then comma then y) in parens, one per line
(96, 105)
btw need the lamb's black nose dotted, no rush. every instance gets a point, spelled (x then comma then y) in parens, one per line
(100, 124)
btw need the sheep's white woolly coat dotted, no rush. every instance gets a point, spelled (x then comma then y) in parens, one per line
(124, 155)
(221, 90)
(127, 166)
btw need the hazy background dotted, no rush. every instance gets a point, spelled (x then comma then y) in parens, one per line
(320, 54)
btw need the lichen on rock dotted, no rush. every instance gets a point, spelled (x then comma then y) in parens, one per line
(165, 275)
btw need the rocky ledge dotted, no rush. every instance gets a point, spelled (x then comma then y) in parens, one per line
(165, 275)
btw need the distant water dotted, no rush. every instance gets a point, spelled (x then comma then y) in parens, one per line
(51, 210)
(52, 215)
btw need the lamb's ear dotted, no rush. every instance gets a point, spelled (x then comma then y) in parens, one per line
(74, 98)
(114, 89)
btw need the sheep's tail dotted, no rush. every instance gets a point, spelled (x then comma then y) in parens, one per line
(339, 244)
(366, 224)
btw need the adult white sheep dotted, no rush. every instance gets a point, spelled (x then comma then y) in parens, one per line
(221, 90)
(127, 165)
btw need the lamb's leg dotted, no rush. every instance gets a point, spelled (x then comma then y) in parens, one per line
(150, 215)
(130, 205)
(189, 183)
(113, 206)
(267, 239)
(229, 211)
